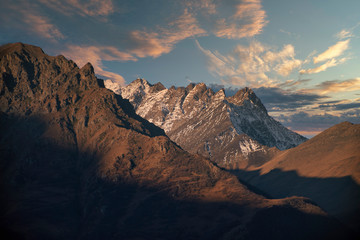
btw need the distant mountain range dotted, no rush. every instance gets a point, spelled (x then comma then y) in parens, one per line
(235, 132)
(77, 162)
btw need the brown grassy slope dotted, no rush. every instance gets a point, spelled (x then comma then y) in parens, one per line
(333, 153)
(326, 169)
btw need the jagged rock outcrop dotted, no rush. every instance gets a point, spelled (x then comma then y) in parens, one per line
(235, 132)
(76, 162)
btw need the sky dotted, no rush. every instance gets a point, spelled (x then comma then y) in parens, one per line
(300, 57)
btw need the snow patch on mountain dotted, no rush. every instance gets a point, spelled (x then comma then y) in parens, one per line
(248, 146)
(209, 123)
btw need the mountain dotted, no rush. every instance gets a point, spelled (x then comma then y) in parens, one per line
(326, 169)
(76, 162)
(235, 132)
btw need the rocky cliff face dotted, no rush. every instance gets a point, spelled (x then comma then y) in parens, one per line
(235, 132)
(76, 162)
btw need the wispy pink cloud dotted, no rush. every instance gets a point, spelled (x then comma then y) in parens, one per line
(93, 8)
(155, 43)
(25, 15)
(248, 20)
(41, 25)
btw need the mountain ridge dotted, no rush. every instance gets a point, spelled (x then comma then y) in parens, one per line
(78, 163)
(199, 120)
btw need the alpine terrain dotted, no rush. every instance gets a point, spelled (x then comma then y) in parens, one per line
(235, 132)
(76, 162)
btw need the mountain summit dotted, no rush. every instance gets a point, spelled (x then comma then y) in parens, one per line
(233, 131)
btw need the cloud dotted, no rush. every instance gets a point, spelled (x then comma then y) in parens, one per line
(330, 56)
(41, 25)
(154, 44)
(26, 16)
(287, 66)
(323, 67)
(92, 8)
(251, 65)
(95, 55)
(217, 63)
(303, 122)
(343, 34)
(248, 20)
(292, 83)
(278, 100)
(333, 51)
(336, 86)
(340, 105)
(347, 33)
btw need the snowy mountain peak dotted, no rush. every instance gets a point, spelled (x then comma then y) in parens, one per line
(140, 81)
(246, 96)
(190, 87)
(157, 87)
(226, 129)
(219, 95)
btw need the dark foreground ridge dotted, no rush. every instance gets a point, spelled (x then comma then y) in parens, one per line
(76, 162)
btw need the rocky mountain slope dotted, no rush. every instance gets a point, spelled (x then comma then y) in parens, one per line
(326, 169)
(235, 132)
(76, 162)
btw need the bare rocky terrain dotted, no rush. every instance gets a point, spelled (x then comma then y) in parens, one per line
(77, 162)
(235, 132)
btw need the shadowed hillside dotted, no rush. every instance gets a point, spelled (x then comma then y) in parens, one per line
(326, 169)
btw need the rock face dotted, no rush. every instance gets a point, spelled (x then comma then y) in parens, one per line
(235, 132)
(326, 169)
(76, 162)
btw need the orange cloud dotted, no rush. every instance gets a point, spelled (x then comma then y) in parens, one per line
(321, 68)
(251, 65)
(285, 58)
(330, 56)
(333, 51)
(288, 66)
(336, 86)
(154, 44)
(91, 8)
(248, 20)
(41, 25)
(30, 19)
(95, 55)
